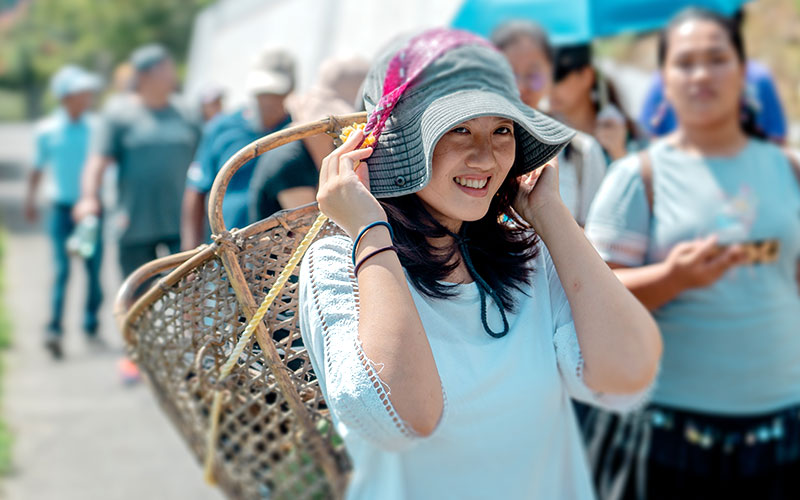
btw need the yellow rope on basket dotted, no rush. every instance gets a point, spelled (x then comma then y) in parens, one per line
(294, 260)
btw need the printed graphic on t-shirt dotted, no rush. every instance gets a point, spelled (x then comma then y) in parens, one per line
(737, 214)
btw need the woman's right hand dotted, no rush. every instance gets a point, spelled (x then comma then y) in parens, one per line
(700, 263)
(343, 193)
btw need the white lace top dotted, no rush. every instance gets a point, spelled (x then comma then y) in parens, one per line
(508, 428)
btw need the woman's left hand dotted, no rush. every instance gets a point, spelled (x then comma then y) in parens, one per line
(538, 193)
(619, 340)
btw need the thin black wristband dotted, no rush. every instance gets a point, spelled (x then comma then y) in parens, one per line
(366, 230)
(371, 255)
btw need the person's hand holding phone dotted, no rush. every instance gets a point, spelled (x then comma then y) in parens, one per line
(701, 263)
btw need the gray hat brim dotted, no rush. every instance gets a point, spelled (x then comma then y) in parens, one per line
(403, 162)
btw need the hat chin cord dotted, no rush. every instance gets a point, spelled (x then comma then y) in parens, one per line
(483, 287)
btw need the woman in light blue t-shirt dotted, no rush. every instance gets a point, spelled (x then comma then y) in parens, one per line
(704, 228)
(445, 345)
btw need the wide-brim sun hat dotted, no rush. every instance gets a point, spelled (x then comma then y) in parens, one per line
(468, 81)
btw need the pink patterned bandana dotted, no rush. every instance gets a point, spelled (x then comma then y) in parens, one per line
(407, 65)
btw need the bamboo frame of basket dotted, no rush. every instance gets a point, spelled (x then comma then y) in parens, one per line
(226, 250)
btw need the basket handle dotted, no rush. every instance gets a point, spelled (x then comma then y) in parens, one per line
(329, 125)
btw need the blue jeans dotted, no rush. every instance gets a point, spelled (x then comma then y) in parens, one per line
(60, 226)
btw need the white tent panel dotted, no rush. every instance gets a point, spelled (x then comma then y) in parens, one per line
(228, 34)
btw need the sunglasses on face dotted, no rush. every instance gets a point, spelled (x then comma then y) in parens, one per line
(531, 81)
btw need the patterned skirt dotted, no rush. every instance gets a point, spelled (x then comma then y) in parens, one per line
(667, 453)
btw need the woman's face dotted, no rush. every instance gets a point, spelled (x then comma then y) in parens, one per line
(571, 91)
(703, 77)
(532, 69)
(470, 163)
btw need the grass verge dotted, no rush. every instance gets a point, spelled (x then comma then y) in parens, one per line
(5, 343)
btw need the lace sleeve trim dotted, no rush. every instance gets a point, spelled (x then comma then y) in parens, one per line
(571, 364)
(371, 369)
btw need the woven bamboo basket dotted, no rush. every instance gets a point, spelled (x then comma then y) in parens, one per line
(275, 437)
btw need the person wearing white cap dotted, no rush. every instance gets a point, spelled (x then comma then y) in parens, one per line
(286, 177)
(62, 143)
(211, 101)
(271, 79)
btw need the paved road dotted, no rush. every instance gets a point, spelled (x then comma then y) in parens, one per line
(80, 434)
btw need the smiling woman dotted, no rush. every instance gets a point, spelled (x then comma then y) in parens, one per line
(474, 158)
(470, 183)
(439, 328)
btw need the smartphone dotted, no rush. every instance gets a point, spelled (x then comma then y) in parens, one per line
(757, 252)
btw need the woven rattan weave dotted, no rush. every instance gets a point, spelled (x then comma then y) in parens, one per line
(275, 437)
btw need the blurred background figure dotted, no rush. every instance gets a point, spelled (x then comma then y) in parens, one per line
(211, 102)
(62, 147)
(587, 100)
(123, 78)
(703, 228)
(582, 165)
(123, 81)
(121, 90)
(528, 50)
(760, 96)
(269, 82)
(286, 177)
(152, 139)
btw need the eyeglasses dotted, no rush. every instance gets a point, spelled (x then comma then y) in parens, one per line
(531, 81)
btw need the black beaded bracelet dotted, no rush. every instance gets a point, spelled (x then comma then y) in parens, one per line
(371, 255)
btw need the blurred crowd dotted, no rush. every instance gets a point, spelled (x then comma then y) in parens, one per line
(694, 203)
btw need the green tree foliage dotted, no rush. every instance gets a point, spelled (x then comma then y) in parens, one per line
(97, 34)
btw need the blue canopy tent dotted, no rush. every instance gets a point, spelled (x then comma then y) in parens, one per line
(578, 21)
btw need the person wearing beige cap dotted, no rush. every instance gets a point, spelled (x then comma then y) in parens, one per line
(269, 82)
(286, 177)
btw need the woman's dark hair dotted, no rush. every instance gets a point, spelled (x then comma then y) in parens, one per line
(569, 58)
(500, 248)
(510, 32)
(732, 28)
(613, 97)
(729, 26)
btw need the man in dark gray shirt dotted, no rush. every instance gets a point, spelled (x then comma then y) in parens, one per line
(152, 139)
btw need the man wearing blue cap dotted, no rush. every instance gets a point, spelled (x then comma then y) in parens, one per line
(270, 80)
(62, 143)
(152, 139)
